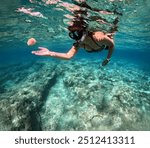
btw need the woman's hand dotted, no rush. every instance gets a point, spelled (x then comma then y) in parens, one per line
(105, 62)
(43, 52)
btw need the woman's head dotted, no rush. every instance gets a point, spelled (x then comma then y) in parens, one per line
(76, 35)
(77, 25)
(75, 28)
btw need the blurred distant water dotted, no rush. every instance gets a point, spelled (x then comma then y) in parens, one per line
(132, 39)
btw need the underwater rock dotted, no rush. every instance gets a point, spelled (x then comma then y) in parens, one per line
(96, 99)
(21, 101)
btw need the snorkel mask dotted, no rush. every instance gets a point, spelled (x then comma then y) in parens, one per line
(76, 35)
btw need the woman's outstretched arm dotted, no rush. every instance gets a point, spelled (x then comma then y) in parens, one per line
(45, 52)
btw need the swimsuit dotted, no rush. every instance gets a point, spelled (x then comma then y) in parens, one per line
(79, 42)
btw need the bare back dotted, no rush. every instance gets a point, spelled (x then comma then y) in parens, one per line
(97, 40)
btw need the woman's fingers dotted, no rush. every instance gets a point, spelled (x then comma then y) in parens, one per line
(35, 52)
(41, 51)
(42, 48)
(38, 52)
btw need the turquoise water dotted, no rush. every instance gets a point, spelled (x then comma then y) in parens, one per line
(43, 93)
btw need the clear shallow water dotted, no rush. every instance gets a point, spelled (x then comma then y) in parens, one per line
(47, 86)
(16, 27)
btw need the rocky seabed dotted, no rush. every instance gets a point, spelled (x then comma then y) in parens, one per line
(74, 96)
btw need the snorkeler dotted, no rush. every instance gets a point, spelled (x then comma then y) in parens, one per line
(90, 41)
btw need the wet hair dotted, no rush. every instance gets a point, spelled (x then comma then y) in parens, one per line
(76, 30)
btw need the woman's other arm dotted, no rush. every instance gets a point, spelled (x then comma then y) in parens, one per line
(110, 43)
